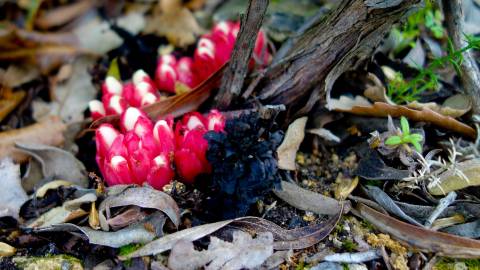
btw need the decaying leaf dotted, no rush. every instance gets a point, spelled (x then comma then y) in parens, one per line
(6, 250)
(63, 14)
(452, 180)
(127, 217)
(284, 239)
(12, 195)
(287, 151)
(381, 109)
(9, 102)
(308, 200)
(68, 211)
(244, 252)
(40, 193)
(372, 167)
(344, 186)
(144, 197)
(135, 233)
(174, 21)
(57, 163)
(442, 244)
(454, 106)
(48, 132)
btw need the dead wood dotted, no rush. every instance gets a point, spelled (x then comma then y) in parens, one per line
(326, 49)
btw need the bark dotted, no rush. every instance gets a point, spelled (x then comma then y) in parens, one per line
(234, 76)
(330, 46)
(470, 76)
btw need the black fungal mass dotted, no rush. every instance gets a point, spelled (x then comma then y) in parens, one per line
(244, 166)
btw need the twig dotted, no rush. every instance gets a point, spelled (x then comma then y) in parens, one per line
(442, 205)
(470, 76)
(234, 76)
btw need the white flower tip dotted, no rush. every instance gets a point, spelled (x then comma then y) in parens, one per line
(148, 98)
(108, 134)
(115, 104)
(206, 43)
(139, 76)
(205, 52)
(160, 161)
(117, 160)
(167, 59)
(194, 122)
(113, 85)
(96, 106)
(130, 118)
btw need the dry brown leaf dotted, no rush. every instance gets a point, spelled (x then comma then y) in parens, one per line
(9, 102)
(49, 132)
(443, 244)
(174, 21)
(287, 151)
(380, 109)
(63, 14)
(455, 106)
(16, 75)
(6, 250)
(450, 180)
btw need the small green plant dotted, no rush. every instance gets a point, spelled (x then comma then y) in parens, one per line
(405, 137)
(403, 91)
(349, 246)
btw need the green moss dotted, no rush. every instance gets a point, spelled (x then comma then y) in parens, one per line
(55, 262)
(449, 264)
(127, 249)
(349, 246)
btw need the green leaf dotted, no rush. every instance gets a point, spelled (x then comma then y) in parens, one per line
(405, 126)
(417, 146)
(394, 140)
(113, 69)
(416, 137)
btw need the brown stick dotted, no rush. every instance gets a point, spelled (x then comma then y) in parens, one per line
(470, 77)
(234, 76)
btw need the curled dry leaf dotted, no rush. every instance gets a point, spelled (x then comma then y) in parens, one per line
(452, 180)
(299, 238)
(63, 14)
(9, 101)
(381, 109)
(287, 151)
(12, 195)
(48, 132)
(308, 200)
(40, 193)
(6, 250)
(127, 217)
(144, 197)
(68, 211)
(135, 233)
(442, 244)
(174, 21)
(57, 163)
(244, 252)
(454, 106)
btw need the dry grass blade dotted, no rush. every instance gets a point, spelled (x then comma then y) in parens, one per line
(176, 105)
(442, 244)
(381, 109)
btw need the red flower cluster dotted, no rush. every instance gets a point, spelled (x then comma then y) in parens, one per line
(146, 152)
(213, 50)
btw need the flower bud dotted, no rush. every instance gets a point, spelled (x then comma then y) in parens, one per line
(115, 104)
(164, 135)
(161, 172)
(165, 77)
(96, 109)
(141, 76)
(112, 86)
(117, 171)
(130, 118)
(188, 165)
(149, 99)
(215, 121)
(185, 71)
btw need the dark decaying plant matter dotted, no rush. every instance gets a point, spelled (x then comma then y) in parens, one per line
(244, 167)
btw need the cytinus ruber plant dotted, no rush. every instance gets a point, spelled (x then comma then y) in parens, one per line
(172, 74)
(146, 152)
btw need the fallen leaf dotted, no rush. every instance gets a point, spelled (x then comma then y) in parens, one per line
(244, 252)
(6, 250)
(299, 238)
(388, 204)
(375, 90)
(174, 21)
(135, 233)
(470, 229)
(12, 195)
(16, 75)
(454, 106)
(307, 200)
(442, 244)
(57, 163)
(125, 218)
(372, 167)
(48, 262)
(40, 193)
(381, 109)
(450, 180)
(144, 197)
(48, 132)
(63, 14)
(287, 151)
(344, 186)
(9, 102)
(68, 211)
